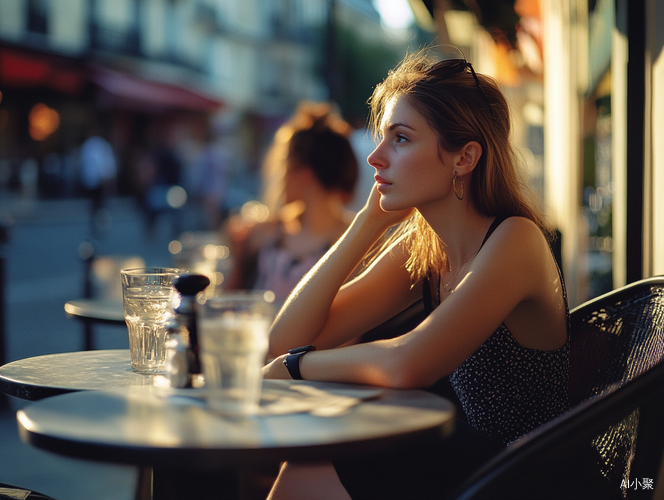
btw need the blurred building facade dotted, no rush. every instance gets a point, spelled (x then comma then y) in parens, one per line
(603, 117)
(583, 78)
(158, 75)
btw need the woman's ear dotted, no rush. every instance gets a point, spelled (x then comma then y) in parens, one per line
(468, 157)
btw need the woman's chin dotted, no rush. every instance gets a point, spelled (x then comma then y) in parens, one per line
(391, 206)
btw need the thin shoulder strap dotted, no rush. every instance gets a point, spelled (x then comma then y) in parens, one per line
(427, 298)
(496, 222)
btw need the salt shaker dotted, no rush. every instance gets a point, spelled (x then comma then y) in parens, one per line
(177, 355)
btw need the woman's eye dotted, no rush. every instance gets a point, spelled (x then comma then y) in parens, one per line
(400, 139)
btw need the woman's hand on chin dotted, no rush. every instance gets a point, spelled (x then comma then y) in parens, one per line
(373, 211)
(276, 368)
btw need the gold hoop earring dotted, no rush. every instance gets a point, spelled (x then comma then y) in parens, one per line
(455, 188)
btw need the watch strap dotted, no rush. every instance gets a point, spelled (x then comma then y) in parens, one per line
(292, 361)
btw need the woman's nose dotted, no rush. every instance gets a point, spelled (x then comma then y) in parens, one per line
(375, 159)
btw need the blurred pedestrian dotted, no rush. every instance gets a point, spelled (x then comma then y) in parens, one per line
(98, 177)
(160, 176)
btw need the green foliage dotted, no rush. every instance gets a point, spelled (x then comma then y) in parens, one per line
(353, 66)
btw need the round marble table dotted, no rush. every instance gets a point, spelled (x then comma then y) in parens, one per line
(173, 428)
(182, 446)
(116, 401)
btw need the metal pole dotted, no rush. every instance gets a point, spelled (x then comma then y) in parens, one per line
(86, 252)
(4, 240)
(636, 109)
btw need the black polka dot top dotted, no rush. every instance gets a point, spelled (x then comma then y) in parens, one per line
(507, 390)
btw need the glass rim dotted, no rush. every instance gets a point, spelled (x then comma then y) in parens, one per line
(152, 271)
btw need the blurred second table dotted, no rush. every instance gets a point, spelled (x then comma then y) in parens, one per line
(52, 374)
(91, 311)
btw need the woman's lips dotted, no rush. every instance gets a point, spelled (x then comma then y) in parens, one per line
(382, 183)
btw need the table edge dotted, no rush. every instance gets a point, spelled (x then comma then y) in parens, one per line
(191, 458)
(72, 310)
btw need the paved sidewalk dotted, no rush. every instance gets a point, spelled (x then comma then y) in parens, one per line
(43, 271)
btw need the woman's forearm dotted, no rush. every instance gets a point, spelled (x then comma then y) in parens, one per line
(372, 363)
(381, 363)
(306, 310)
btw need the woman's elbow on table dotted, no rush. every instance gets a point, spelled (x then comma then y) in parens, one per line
(405, 378)
(398, 370)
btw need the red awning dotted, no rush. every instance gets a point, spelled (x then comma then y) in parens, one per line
(24, 69)
(132, 91)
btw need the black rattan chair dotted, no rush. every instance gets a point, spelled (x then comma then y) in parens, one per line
(611, 444)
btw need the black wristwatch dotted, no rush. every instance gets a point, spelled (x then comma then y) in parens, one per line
(292, 361)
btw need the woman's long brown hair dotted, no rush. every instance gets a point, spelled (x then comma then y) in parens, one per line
(460, 106)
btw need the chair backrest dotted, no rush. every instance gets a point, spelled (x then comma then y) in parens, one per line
(616, 337)
(610, 444)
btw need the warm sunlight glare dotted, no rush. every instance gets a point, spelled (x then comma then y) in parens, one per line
(395, 13)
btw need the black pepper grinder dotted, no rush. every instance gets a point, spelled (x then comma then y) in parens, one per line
(189, 285)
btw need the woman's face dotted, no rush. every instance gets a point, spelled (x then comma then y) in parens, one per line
(294, 180)
(411, 169)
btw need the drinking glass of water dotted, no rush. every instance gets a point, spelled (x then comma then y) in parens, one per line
(149, 300)
(233, 332)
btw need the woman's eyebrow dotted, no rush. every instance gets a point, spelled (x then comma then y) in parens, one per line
(399, 124)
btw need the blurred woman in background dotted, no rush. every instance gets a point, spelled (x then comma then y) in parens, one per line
(312, 164)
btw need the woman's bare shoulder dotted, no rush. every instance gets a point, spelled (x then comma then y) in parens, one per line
(520, 234)
(521, 250)
(517, 223)
(517, 249)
